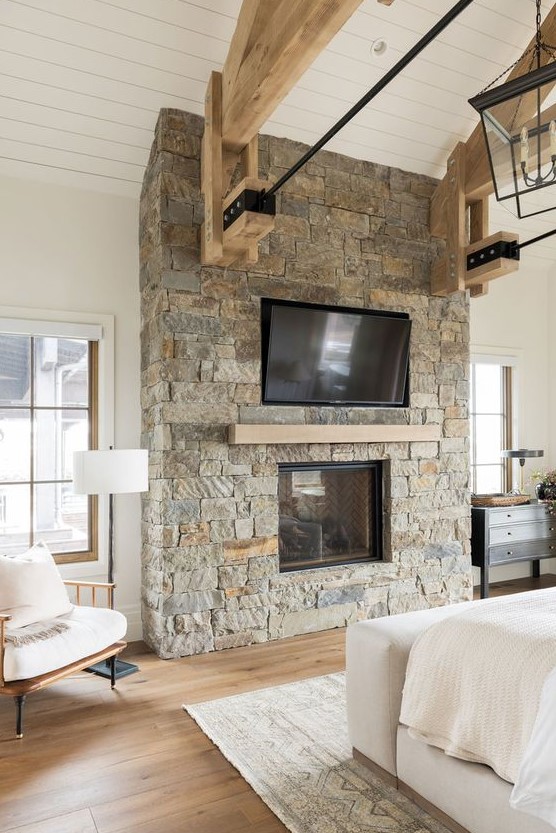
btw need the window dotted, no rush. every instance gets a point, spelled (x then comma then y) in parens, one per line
(491, 423)
(48, 410)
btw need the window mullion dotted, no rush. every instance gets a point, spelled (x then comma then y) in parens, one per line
(507, 400)
(32, 446)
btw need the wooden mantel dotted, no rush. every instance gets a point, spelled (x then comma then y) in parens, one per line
(272, 434)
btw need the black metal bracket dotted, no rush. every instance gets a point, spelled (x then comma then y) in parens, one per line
(249, 200)
(502, 248)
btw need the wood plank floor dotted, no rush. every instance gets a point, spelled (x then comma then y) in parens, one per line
(100, 761)
(517, 585)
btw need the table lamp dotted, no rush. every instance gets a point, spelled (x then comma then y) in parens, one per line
(116, 471)
(521, 454)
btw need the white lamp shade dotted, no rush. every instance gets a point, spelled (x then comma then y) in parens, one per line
(110, 472)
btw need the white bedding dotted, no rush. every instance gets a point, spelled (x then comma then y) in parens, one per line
(473, 688)
(535, 789)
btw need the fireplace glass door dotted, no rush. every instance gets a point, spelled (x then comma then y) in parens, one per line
(329, 514)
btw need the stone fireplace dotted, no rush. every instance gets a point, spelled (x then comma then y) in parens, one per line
(329, 514)
(348, 233)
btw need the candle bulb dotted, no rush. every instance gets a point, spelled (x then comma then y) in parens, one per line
(552, 131)
(525, 149)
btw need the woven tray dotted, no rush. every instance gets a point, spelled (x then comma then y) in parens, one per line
(499, 500)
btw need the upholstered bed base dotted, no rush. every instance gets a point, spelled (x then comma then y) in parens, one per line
(472, 796)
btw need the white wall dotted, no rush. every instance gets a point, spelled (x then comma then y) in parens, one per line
(65, 249)
(515, 317)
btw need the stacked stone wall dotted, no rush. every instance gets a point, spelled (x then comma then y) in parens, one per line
(348, 232)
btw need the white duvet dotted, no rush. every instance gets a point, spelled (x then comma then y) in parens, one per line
(535, 789)
(473, 688)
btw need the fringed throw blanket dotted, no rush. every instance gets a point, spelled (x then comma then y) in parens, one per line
(35, 633)
(474, 681)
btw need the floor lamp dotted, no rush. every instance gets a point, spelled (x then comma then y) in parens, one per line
(116, 471)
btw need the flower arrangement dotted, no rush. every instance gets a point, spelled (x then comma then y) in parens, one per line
(545, 487)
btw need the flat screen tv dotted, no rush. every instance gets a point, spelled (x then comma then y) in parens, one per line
(321, 355)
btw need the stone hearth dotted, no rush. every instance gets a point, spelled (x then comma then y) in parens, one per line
(347, 232)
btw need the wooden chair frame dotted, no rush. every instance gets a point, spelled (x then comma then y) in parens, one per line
(19, 689)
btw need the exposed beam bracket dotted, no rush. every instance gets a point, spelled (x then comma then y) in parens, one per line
(251, 201)
(479, 231)
(234, 223)
(248, 221)
(501, 248)
(485, 260)
(505, 259)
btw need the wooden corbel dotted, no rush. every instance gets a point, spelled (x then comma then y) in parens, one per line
(478, 230)
(467, 234)
(499, 252)
(485, 256)
(249, 226)
(448, 274)
(239, 241)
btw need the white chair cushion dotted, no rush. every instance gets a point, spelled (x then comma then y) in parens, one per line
(31, 587)
(91, 629)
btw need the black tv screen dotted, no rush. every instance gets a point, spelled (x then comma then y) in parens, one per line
(320, 355)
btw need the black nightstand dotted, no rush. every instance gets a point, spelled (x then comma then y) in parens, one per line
(506, 534)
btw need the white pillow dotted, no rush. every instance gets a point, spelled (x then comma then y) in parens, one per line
(31, 587)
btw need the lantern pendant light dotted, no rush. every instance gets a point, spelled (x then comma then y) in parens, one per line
(520, 137)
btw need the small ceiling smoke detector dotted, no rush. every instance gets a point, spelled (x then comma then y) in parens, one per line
(379, 47)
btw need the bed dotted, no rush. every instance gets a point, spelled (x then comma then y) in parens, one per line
(384, 655)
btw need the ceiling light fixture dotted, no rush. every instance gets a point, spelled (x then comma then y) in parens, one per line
(520, 137)
(379, 47)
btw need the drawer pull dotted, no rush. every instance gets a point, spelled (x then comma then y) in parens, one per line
(509, 533)
(551, 547)
(509, 552)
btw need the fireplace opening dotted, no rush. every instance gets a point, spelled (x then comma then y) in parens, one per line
(329, 513)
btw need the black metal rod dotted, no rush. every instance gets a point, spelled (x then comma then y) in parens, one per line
(536, 239)
(110, 538)
(395, 70)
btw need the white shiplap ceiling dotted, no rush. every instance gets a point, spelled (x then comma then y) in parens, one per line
(82, 81)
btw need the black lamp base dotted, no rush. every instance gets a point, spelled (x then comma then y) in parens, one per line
(102, 669)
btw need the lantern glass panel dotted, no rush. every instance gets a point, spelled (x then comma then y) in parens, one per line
(503, 123)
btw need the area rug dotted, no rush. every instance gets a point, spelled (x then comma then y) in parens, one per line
(290, 743)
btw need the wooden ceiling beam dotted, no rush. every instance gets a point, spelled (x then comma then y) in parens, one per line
(274, 43)
(253, 17)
